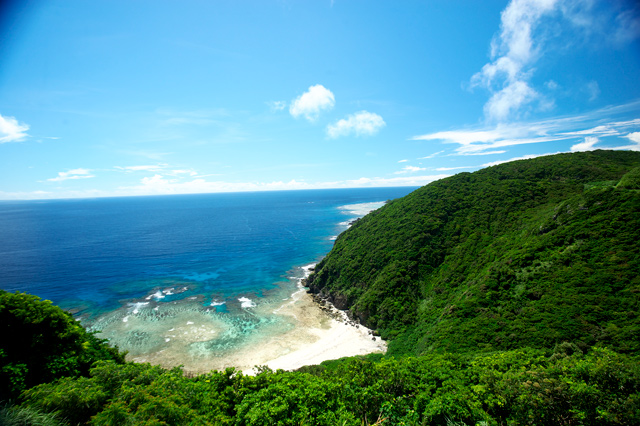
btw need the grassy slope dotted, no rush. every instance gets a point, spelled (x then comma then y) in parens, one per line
(528, 253)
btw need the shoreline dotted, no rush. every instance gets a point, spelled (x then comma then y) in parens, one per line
(278, 333)
(339, 337)
(289, 329)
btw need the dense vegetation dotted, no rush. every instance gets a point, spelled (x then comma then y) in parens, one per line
(515, 387)
(510, 297)
(41, 342)
(525, 254)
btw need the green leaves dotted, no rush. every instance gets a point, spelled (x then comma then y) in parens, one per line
(41, 342)
(528, 253)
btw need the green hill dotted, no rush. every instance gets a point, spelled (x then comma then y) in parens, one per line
(530, 253)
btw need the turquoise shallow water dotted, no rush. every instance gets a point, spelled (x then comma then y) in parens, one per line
(230, 257)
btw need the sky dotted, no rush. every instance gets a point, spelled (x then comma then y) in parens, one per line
(117, 98)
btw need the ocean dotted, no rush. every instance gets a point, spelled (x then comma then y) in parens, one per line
(136, 267)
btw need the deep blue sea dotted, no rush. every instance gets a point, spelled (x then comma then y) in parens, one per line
(95, 255)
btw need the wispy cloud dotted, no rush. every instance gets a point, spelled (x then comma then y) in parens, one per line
(417, 180)
(275, 106)
(159, 184)
(11, 130)
(361, 123)
(593, 89)
(435, 154)
(494, 139)
(524, 157)
(72, 174)
(635, 142)
(315, 100)
(445, 169)
(409, 169)
(403, 161)
(162, 169)
(143, 168)
(627, 26)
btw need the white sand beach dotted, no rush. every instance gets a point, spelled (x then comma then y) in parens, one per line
(291, 333)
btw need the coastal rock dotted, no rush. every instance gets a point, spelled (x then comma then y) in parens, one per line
(340, 301)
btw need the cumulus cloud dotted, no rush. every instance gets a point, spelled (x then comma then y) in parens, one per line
(634, 137)
(362, 123)
(531, 28)
(512, 53)
(11, 130)
(72, 174)
(315, 100)
(510, 99)
(587, 145)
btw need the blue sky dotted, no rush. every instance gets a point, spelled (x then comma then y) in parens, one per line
(114, 98)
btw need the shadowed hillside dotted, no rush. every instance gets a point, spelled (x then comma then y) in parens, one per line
(528, 253)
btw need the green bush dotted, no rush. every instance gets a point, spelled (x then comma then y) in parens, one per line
(41, 343)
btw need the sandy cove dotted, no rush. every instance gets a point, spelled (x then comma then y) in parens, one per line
(322, 335)
(305, 333)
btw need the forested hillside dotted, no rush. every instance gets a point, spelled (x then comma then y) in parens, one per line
(530, 253)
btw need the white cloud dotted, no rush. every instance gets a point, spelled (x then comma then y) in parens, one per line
(445, 169)
(403, 161)
(506, 102)
(431, 155)
(485, 141)
(182, 172)
(551, 85)
(72, 174)
(318, 98)
(143, 168)
(531, 28)
(512, 53)
(593, 90)
(524, 157)
(598, 130)
(362, 123)
(587, 145)
(277, 105)
(493, 139)
(634, 137)
(627, 26)
(396, 181)
(160, 185)
(410, 169)
(484, 153)
(11, 130)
